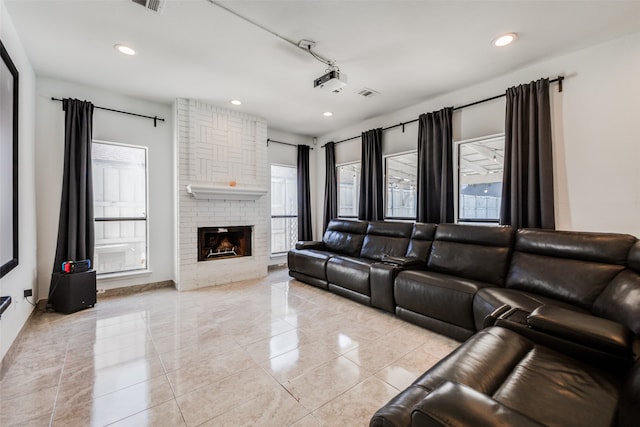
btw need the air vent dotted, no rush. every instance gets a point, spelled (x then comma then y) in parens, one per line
(155, 5)
(368, 93)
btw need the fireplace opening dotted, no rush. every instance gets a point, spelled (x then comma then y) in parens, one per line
(223, 242)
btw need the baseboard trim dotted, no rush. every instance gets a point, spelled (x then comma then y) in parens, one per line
(136, 289)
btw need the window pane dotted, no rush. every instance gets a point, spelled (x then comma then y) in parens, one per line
(120, 246)
(119, 181)
(480, 165)
(400, 176)
(119, 191)
(348, 189)
(284, 190)
(284, 234)
(284, 202)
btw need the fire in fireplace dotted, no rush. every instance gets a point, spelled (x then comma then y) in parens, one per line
(223, 242)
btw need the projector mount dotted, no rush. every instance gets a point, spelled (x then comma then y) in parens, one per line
(308, 45)
(332, 79)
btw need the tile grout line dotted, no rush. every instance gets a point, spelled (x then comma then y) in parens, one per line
(166, 375)
(55, 400)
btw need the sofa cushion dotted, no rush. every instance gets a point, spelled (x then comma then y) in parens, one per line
(350, 273)
(620, 300)
(345, 236)
(633, 259)
(472, 252)
(386, 238)
(456, 405)
(572, 281)
(609, 248)
(573, 267)
(439, 296)
(488, 299)
(558, 390)
(311, 262)
(421, 240)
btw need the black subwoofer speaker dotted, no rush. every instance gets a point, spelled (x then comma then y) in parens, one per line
(73, 291)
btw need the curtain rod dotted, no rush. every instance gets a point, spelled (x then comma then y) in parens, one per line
(285, 143)
(558, 79)
(154, 118)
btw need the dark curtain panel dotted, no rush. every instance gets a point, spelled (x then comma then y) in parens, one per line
(527, 189)
(371, 206)
(75, 229)
(304, 194)
(331, 185)
(435, 167)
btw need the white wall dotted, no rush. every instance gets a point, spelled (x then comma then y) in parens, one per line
(280, 154)
(596, 132)
(114, 127)
(24, 275)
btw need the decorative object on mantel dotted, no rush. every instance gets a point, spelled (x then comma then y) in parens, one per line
(232, 183)
(208, 191)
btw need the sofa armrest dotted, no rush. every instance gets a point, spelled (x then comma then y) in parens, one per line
(592, 331)
(491, 318)
(403, 261)
(310, 244)
(456, 405)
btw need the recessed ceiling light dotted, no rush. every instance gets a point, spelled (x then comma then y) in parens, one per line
(327, 114)
(504, 39)
(124, 49)
(236, 102)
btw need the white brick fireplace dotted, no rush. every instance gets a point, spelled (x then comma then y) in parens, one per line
(216, 149)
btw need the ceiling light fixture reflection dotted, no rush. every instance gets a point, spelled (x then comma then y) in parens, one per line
(124, 49)
(236, 102)
(327, 114)
(504, 39)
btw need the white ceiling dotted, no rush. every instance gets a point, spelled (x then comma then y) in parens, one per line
(409, 51)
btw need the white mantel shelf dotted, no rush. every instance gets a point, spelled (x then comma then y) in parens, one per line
(203, 191)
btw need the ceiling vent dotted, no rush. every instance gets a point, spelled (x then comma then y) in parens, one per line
(155, 5)
(368, 93)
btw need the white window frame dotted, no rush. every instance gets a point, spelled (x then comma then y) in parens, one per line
(272, 217)
(146, 269)
(384, 180)
(456, 179)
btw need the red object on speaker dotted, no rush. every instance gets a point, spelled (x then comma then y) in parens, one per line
(76, 266)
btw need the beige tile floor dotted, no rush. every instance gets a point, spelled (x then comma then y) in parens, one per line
(270, 352)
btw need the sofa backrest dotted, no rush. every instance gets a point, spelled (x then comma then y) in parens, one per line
(386, 238)
(472, 251)
(421, 240)
(570, 266)
(620, 300)
(345, 236)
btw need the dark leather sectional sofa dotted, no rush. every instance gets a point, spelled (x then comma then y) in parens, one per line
(551, 319)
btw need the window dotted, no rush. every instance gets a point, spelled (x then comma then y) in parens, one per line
(120, 207)
(284, 208)
(348, 189)
(400, 183)
(480, 164)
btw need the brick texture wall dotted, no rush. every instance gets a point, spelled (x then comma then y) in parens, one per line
(216, 146)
